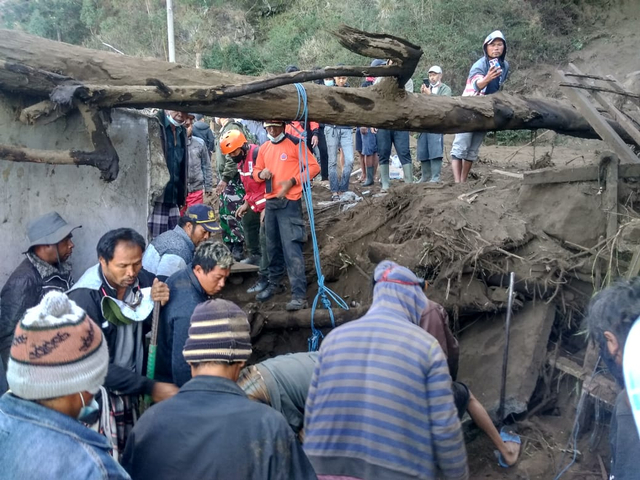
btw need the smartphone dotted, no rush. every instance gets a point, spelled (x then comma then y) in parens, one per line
(268, 187)
(426, 82)
(494, 62)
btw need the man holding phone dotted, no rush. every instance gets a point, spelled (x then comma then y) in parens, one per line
(431, 145)
(487, 76)
(278, 165)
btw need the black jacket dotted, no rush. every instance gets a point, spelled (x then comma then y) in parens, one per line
(118, 379)
(202, 130)
(24, 289)
(185, 293)
(176, 154)
(211, 430)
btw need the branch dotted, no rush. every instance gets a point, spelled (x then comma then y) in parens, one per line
(595, 88)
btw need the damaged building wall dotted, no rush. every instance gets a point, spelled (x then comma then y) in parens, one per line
(28, 190)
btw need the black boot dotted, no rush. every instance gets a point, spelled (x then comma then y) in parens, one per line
(237, 250)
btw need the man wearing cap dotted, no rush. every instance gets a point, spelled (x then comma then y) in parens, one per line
(119, 295)
(278, 164)
(211, 429)
(46, 268)
(204, 278)
(58, 362)
(380, 403)
(200, 173)
(431, 145)
(173, 250)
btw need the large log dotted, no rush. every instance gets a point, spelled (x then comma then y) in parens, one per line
(384, 105)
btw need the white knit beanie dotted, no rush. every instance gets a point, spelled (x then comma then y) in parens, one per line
(57, 350)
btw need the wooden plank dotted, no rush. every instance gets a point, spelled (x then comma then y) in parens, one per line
(611, 196)
(579, 74)
(599, 386)
(238, 267)
(508, 174)
(616, 114)
(595, 88)
(587, 173)
(599, 124)
(620, 89)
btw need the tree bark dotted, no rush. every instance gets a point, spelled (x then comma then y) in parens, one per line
(37, 65)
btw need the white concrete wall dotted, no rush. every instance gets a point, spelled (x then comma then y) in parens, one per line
(28, 190)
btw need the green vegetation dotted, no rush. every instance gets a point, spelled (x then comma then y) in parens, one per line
(258, 36)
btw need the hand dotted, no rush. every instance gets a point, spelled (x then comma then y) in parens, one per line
(242, 210)
(160, 292)
(314, 141)
(265, 174)
(374, 130)
(363, 130)
(221, 186)
(424, 89)
(284, 188)
(162, 391)
(262, 216)
(494, 72)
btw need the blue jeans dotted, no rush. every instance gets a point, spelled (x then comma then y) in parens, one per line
(285, 231)
(339, 137)
(399, 139)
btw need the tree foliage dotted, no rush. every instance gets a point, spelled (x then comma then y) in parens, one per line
(259, 36)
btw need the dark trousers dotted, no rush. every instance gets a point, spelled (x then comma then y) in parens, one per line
(400, 141)
(285, 231)
(256, 240)
(324, 156)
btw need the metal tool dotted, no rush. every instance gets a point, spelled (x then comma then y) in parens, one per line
(153, 345)
(505, 359)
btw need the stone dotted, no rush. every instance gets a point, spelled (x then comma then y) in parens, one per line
(482, 350)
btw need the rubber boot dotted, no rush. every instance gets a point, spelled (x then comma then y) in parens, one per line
(426, 171)
(407, 171)
(436, 168)
(369, 180)
(384, 177)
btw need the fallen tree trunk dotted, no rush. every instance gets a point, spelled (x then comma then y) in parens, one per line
(278, 319)
(384, 105)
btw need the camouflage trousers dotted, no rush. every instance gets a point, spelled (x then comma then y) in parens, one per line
(230, 201)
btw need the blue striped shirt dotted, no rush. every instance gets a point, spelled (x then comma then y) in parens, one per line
(380, 403)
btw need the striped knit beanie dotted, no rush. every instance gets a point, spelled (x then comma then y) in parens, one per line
(57, 350)
(219, 332)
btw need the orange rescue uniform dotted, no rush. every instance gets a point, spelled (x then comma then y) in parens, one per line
(281, 159)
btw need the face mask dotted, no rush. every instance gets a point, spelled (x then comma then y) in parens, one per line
(240, 158)
(277, 139)
(88, 412)
(174, 122)
(329, 83)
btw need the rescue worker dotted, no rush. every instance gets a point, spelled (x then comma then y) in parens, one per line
(278, 165)
(234, 144)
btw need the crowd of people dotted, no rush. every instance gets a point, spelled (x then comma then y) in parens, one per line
(379, 400)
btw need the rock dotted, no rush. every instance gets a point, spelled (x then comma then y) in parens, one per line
(570, 211)
(482, 349)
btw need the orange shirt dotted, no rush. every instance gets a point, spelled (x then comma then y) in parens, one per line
(281, 159)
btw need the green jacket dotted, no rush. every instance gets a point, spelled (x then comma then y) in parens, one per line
(227, 168)
(444, 90)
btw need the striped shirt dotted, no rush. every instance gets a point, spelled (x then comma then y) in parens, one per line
(380, 404)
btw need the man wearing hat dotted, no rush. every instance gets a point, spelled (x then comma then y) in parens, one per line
(58, 362)
(278, 165)
(210, 429)
(205, 277)
(46, 268)
(173, 250)
(431, 145)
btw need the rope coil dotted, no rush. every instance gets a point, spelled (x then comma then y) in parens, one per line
(324, 295)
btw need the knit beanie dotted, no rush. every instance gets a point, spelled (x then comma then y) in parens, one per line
(219, 332)
(57, 350)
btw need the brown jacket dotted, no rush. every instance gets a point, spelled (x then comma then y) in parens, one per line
(435, 321)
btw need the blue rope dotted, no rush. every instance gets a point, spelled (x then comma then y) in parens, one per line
(324, 295)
